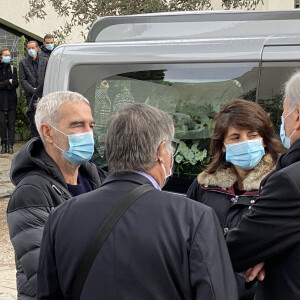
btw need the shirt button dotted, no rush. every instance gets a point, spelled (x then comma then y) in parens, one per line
(252, 201)
(226, 229)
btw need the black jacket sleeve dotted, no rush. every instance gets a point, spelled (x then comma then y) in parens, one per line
(23, 79)
(195, 192)
(4, 85)
(271, 226)
(26, 225)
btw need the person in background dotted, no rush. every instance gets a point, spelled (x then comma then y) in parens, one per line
(48, 171)
(8, 101)
(105, 106)
(270, 232)
(163, 247)
(32, 71)
(244, 149)
(102, 111)
(47, 47)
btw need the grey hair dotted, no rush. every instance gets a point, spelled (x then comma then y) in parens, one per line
(133, 136)
(292, 90)
(47, 107)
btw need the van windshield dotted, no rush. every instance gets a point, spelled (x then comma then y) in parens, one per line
(192, 94)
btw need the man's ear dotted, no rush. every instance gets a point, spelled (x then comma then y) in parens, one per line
(161, 151)
(297, 125)
(47, 133)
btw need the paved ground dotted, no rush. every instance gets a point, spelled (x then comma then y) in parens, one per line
(7, 265)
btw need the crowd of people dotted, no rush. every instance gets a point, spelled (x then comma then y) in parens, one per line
(31, 77)
(80, 232)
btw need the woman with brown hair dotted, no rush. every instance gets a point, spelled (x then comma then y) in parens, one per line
(244, 149)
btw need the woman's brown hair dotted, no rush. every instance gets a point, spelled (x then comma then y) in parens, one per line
(241, 114)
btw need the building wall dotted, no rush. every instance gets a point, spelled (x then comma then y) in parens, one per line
(13, 11)
(268, 5)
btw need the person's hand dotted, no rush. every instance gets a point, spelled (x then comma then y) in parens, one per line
(10, 81)
(256, 271)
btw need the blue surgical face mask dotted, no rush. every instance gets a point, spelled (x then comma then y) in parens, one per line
(286, 141)
(245, 155)
(49, 47)
(31, 52)
(6, 59)
(81, 147)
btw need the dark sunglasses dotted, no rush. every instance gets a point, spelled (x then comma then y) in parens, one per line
(174, 147)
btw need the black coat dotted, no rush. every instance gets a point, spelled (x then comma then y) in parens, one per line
(40, 186)
(217, 191)
(30, 79)
(228, 206)
(164, 247)
(8, 95)
(270, 233)
(44, 52)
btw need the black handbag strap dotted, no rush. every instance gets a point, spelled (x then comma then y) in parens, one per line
(100, 237)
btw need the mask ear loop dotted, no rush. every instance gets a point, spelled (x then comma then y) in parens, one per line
(292, 134)
(63, 134)
(58, 148)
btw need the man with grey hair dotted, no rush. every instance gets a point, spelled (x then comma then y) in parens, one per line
(270, 233)
(47, 171)
(164, 246)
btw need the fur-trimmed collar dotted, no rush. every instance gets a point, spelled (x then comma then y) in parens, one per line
(225, 178)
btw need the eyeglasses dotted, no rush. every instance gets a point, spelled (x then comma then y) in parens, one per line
(174, 147)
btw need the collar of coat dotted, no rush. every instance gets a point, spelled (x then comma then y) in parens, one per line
(225, 178)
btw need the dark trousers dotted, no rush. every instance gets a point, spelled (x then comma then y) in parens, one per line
(30, 115)
(7, 126)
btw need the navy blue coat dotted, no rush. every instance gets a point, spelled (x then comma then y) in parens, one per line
(164, 247)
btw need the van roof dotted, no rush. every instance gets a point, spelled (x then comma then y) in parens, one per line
(195, 25)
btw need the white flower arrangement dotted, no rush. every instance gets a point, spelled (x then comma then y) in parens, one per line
(186, 157)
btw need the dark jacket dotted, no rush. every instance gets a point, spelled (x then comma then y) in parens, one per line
(270, 233)
(44, 52)
(29, 78)
(164, 247)
(217, 191)
(40, 187)
(8, 95)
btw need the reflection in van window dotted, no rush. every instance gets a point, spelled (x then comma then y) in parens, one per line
(191, 94)
(271, 89)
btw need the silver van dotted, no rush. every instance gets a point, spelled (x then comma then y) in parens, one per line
(187, 64)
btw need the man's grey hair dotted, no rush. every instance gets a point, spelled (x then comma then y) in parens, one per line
(47, 107)
(133, 136)
(292, 91)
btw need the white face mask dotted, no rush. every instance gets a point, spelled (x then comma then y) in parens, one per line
(167, 177)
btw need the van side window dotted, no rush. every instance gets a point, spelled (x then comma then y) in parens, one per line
(192, 94)
(271, 88)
